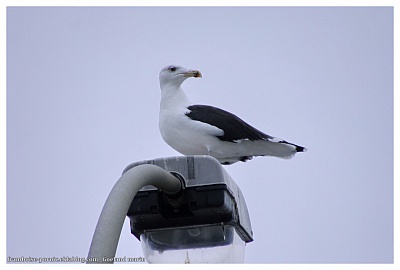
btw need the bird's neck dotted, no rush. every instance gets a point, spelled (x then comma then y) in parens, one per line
(173, 97)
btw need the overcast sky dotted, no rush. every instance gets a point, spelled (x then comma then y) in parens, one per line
(83, 99)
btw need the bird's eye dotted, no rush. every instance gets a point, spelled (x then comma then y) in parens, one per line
(172, 68)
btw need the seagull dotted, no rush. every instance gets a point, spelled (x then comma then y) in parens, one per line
(194, 129)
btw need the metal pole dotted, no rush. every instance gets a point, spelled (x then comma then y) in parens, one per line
(106, 235)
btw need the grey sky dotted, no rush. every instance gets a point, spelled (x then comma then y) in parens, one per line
(83, 98)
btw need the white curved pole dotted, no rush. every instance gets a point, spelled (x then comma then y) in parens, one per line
(106, 235)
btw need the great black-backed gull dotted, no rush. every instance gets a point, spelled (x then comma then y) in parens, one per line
(205, 130)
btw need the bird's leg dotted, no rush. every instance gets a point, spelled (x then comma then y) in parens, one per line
(209, 150)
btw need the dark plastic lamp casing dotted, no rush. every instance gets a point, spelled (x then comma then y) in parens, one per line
(210, 198)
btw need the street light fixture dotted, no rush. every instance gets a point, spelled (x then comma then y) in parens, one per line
(182, 209)
(207, 221)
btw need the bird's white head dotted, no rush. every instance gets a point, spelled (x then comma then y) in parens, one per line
(174, 76)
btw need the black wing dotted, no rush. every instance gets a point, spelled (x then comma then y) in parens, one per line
(234, 128)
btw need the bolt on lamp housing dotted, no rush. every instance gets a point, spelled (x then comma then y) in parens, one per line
(207, 221)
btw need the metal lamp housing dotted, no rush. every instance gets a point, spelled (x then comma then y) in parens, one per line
(207, 222)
